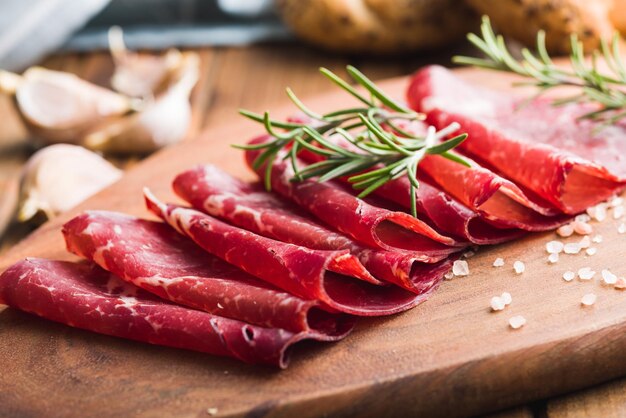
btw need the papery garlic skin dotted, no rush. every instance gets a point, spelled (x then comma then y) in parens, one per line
(141, 75)
(163, 121)
(61, 176)
(60, 107)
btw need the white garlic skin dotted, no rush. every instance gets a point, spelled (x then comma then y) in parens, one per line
(60, 107)
(61, 176)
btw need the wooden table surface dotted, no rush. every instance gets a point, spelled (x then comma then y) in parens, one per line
(255, 78)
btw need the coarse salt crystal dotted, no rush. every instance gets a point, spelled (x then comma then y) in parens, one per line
(565, 230)
(554, 247)
(582, 228)
(616, 201)
(600, 214)
(517, 322)
(583, 217)
(597, 212)
(597, 239)
(506, 298)
(586, 273)
(469, 254)
(571, 248)
(460, 268)
(519, 267)
(591, 251)
(620, 284)
(211, 411)
(618, 212)
(621, 228)
(589, 299)
(497, 304)
(568, 276)
(448, 276)
(553, 258)
(585, 242)
(608, 277)
(498, 262)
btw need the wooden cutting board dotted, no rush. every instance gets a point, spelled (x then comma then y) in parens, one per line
(450, 356)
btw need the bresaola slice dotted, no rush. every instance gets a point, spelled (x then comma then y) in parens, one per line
(370, 225)
(438, 207)
(248, 206)
(83, 295)
(301, 271)
(153, 256)
(493, 197)
(542, 148)
(448, 214)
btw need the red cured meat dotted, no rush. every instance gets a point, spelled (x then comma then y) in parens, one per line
(299, 270)
(448, 214)
(248, 206)
(541, 148)
(156, 258)
(85, 296)
(367, 224)
(493, 197)
(442, 210)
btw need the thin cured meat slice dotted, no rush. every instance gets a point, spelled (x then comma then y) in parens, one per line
(83, 295)
(156, 258)
(213, 191)
(442, 210)
(493, 197)
(373, 226)
(299, 270)
(568, 162)
(447, 213)
(497, 200)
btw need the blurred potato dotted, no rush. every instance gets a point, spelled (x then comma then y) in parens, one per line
(378, 26)
(522, 19)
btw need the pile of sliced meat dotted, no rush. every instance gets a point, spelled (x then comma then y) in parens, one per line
(246, 273)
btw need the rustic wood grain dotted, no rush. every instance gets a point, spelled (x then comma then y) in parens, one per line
(605, 401)
(450, 356)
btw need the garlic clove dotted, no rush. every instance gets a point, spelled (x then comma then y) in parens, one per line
(9, 82)
(58, 106)
(9, 190)
(59, 177)
(164, 121)
(140, 75)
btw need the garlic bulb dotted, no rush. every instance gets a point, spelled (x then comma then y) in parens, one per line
(140, 75)
(60, 107)
(163, 121)
(59, 177)
(8, 203)
(150, 111)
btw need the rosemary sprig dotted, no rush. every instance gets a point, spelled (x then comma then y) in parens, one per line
(595, 86)
(378, 150)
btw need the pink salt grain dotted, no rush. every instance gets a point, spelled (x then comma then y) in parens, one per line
(582, 228)
(565, 230)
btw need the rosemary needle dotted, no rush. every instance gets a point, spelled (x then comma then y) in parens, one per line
(379, 149)
(605, 88)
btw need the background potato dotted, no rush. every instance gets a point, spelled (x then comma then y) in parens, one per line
(392, 26)
(521, 19)
(378, 26)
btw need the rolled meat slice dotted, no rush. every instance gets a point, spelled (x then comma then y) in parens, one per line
(442, 210)
(153, 256)
(213, 191)
(571, 163)
(493, 197)
(370, 225)
(83, 295)
(447, 213)
(299, 270)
